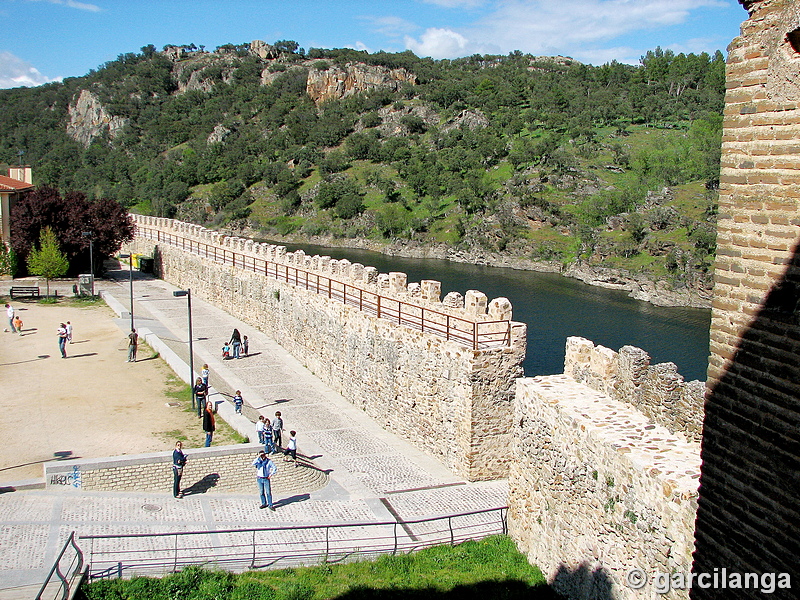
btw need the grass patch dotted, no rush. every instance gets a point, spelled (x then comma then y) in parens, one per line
(175, 390)
(490, 568)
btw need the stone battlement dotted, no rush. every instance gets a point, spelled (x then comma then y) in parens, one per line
(596, 489)
(473, 306)
(658, 391)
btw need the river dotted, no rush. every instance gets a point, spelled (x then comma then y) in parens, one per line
(555, 307)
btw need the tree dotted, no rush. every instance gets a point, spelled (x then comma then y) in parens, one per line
(69, 216)
(47, 260)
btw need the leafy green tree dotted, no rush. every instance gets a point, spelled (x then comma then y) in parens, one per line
(47, 260)
(8, 261)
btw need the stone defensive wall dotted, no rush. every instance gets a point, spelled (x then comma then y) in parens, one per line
(597, 486)
(657, 391)
(224, 469)
(439, 372)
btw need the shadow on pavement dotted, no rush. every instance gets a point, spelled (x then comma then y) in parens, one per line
(202, 486)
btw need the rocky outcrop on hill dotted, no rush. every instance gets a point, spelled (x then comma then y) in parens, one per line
(263, 50)
(340, 82)
(394, 122)
(467, 119)
(88, 119)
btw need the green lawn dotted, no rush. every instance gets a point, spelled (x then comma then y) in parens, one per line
(488, 569)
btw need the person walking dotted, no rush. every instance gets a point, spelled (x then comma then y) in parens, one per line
(236, 343)
(238, 401)
(209, 425)
(277, 430)
(204, 375)
(10, 315)
(265, 469)
(69, 332)
(178, 462)
(291, 448)
(246, 346)
(62, 340)
(200, 392)
(18, 324)
(133, 344)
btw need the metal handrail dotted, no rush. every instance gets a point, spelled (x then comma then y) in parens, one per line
(277, 547)
(65, 580)
(477, 335)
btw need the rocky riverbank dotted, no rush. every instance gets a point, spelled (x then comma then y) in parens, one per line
(638, 286)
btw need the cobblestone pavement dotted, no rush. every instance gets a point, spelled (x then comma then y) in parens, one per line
(374, 475)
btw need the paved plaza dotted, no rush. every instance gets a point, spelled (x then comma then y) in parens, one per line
(374, 475)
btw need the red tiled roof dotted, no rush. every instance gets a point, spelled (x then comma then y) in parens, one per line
(13, 185)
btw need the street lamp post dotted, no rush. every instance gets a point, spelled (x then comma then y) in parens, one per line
(90, 235)
(188, 294)
(130, 278)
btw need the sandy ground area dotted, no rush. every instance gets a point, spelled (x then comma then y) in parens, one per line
(92, 404)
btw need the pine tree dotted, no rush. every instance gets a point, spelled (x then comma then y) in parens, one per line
(47, 260)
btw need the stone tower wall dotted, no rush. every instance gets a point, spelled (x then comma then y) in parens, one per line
(748, 510)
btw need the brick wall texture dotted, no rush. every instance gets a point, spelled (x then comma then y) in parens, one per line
(749, 512)
(450, 400)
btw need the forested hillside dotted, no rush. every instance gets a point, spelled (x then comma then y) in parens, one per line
(532, 157)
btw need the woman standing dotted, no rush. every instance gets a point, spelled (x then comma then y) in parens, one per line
(178, 461)
(236, 342)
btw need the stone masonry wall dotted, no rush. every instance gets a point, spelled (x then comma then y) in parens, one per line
(658, 391)
(450, 400)
(224, 469)
(749, 514)
(596, 489)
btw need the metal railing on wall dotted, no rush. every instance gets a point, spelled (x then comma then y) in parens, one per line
(478, 335)
(236, 550)
(67, 573)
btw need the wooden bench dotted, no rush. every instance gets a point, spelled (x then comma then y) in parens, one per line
(24, 291)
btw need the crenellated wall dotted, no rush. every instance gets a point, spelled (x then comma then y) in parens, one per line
(597, 489)
(450, 399)
(657, 391)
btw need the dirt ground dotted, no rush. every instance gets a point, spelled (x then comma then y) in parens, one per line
(92, 404)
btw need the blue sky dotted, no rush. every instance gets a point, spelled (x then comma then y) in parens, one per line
(46, 40)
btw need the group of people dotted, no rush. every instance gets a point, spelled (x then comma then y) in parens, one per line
(14, 322)
(236, 346)
(270, 434)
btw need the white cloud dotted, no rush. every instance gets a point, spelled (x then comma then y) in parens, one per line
(575, 28)
(457, 3)
(389, 26)
(15, 72)
(73, 4)
(439, 43)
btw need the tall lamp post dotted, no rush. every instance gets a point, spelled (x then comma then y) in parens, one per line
(188, 294)
(130, 273)
(90, 235)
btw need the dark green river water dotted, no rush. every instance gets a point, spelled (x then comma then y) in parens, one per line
(555, 307)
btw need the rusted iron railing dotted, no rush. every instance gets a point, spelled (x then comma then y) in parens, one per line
(478, 335)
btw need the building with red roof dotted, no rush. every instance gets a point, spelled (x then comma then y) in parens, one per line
(13, 187)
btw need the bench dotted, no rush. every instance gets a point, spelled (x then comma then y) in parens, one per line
(27, 291)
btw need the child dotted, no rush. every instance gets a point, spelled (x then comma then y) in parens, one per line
(269, 446)
(238, 401)
(69, 332)
(277, 430)
(204, 375)
(18, 324)
(245, 345)
(291, 447)
(260, 429)
(226, 351)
